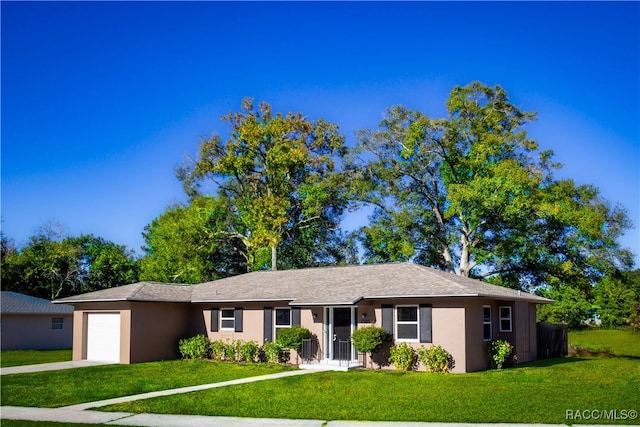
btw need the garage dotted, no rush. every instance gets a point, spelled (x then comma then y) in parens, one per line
(103, 337)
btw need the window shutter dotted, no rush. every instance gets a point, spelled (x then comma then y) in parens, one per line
(425, 323)
(268, 324)
(237, 315)
(214, 320)
(295, 316)
(387, 319)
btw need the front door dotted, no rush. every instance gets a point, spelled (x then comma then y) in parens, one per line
(342, 334)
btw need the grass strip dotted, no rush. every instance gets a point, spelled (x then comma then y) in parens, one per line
(33, 357)
(69, 387)
(615, 342)
(541, 392)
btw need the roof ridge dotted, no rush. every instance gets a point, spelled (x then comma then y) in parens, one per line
(140, 286)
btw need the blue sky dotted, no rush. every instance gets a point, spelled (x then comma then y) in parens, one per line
(102, 100)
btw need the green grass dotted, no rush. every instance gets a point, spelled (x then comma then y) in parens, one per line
(616, 342)
(33, 357)
(539, 392)
(72, 386)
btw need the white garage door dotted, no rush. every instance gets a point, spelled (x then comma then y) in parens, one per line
(103, 337)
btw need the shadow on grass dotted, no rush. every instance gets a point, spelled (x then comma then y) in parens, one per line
(552, 362)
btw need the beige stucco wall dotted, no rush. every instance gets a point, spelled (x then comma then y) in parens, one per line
(80, 318)
(148, 331)
(475, 353)
(448, 320)
(33, 332)
(252, 323)
(449, 330)
(156, 329)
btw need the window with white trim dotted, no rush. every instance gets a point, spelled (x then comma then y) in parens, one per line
(282, 319)
(505, 319)
(407, 328)
(227, 319)
(57, 323)
(486, 322)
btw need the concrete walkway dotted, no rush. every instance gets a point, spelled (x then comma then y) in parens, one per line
(80, 413)
(51, 366)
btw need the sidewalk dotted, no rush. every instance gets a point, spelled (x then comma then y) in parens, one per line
(157, 420)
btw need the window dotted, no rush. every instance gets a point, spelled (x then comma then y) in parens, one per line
(486, 322)
(283, 319)
(227, 319)
(407, 323)
(505, 319)
(57, 323)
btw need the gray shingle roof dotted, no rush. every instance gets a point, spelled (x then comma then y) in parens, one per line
(15, 303)
(141, 291)
(315, 286)
(348, 285)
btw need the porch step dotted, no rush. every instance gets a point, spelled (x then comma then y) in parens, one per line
(331, 366)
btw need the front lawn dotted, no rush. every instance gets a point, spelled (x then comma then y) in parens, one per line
(615, 342)
(33, 357)
(72, 386)
(540, 392)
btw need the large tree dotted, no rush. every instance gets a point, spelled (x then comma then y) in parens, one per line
(53, 266)
(191, 244)
(278, 173)
(472, 194)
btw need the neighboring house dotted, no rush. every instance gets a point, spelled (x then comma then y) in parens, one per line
(419, 305)
(30, 323)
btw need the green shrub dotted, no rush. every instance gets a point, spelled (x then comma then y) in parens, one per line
(292, 337)
(229, 352)
(402, 356)
(369, 339)
(249, 351)
(218, 350)
(499, 352)
(196, 347)
(272, 351)
(435, 358)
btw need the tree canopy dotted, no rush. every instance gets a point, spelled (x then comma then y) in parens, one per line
(191, 244)
(279, 174)
(472, 194)
(53, 266)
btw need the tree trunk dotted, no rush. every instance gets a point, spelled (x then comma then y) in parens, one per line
(274, 258)
(464, 256)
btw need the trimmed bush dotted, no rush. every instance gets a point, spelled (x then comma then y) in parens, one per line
(196, 347)
(292, 337)
(272, 351)
(369, 340)
(229, 352)
(402, 356)
(249, 351)
(435, 358)
(218, 350)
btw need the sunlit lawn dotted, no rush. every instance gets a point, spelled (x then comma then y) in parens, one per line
(540, 392)
(67, 387)
(619, 342)
(33, 357)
